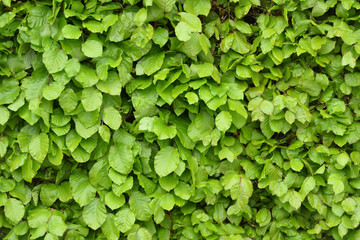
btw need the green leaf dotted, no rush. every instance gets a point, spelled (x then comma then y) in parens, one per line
(121, 158)
(296, 164)
(109, 228)
(192, 97)
(39, 146)
(4, 115)
(94, 213)
(91, 99)
(319, 8)
(295, 199)
(189, 23)
(82, 190)
(6, 17)
(112, 118)
(55, 60)
(38, 216)
(124, 219)
(72, 67)
(263, 217)
(167, 201)
(352, 79)
(197, 7)
(57, 225)
(337, 183)
(92, 48)
(237, 107)
(165, 5)
(140, 234)
(87, 76)
(104, 132)
(68, 100)
(223, 121)
(71, 32)
(48, 194)
(289, 117)
(160, 36)
(308, 185)
(14, 210)
(113, 201)
(151, 63)
(343, 159)
(267, 107)
(348, 59)
(139, 204)
(183, 190)
(203, 70)
(166, 161)
(140, 17)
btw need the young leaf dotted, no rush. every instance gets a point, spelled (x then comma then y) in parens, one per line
(166, 161)
(94, 213)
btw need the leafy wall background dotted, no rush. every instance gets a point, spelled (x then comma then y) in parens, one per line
(166, 119)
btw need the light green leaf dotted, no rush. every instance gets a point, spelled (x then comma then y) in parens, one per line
(296, 164)
(14, 210)
(71, 32)
(140, 16)
(223, 121)
(94, 213)
(68, 100)
(39, 146)
(4, 115)
(124, 219)
(6, 17)
(48, 194)
(105, 133)
(348, 59)
(91, 99)
(289, 117)
(160, 36)
(92, 48)
(343, 159)
(166, 161)
(109, 228)
(121, 158)
(139, 204)
(308, 185)
(263, 217)
(267, 107)
(189, 23)
(72, 67)
(295, 199)
(192, 97)
(38, 216)
(352, 79)
(167, 201)
(151, 63)
(112, 118)
(57, 225)
(53, 90)
(183, 190)
(238, 107)
(197, 7)
(165, 5)
(113, 201)
(337, 183)
(203, 70)
(55, 60)
(83, 192)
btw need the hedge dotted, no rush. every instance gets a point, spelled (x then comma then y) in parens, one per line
(179, 119)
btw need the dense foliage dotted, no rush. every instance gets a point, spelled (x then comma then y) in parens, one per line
(179, 119)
